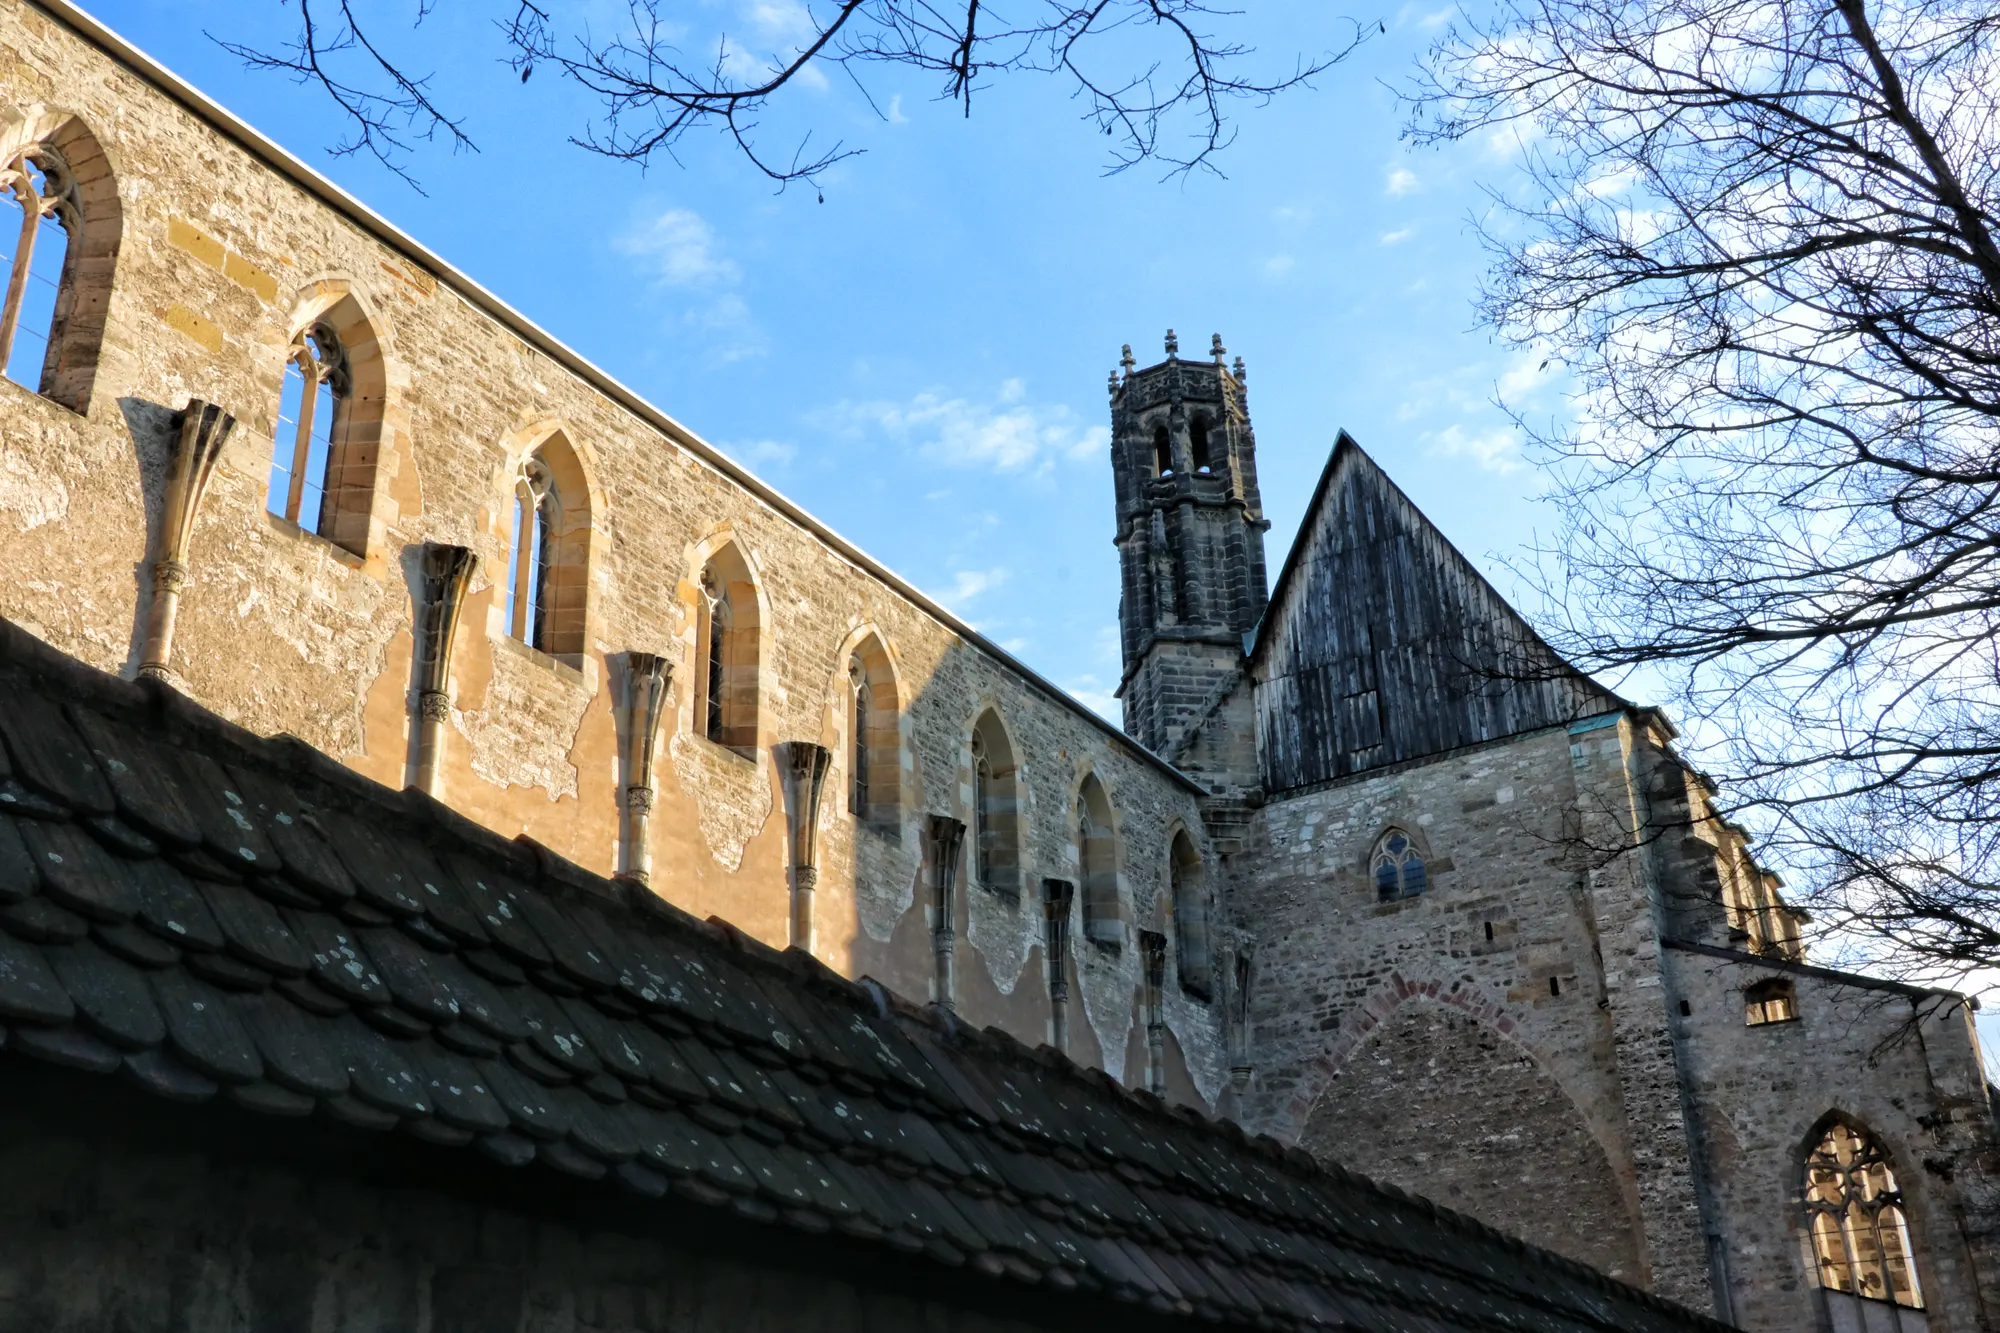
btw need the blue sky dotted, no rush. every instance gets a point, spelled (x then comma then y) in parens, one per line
(920, 359)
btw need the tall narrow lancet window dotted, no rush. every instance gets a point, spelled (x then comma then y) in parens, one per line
(1103, 918)
(1198, 444)
(861, 704)
(995, 807)
(1190, 903)
(728, 650)
(310, 408)
(43, 242)
(1860, 1229)
(1163, 452)
(1057, 895)
(1398, 868)
(537, 520)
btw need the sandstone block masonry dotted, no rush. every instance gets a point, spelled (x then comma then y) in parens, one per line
(233, 262)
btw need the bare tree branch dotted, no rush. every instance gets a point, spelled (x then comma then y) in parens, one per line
(1761, 236)
(1152, 75)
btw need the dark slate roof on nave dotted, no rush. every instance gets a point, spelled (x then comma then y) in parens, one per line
(212, 915)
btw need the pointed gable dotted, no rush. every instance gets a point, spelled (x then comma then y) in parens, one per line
(1382, 643)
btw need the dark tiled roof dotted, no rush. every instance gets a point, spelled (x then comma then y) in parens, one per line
(212, 915)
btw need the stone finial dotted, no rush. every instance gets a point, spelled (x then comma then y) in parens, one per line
(1241, 373)
(1113, 387)
(1215, 347)
(802, 767)
(201, 430)
(1173, 346)
(1125, 358)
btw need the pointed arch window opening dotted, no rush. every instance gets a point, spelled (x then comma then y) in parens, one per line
(310, 406)
(1192, 949)
(715, 669)
(1398, 868)
(985, 834)
(1163, 453)
(41, 185)
(1858, 1221)
(1198, 445)
(537, 516)
(861, 706)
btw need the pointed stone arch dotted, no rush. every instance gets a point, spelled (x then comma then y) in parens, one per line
(996, 805)
(90, 261)
(868, 688)
(730, 617)
(355, 511)
(1187, 884)
(1106, 918)
(1431, 1087)
(546, 582)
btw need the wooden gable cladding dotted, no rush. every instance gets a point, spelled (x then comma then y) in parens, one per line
(1383, 643)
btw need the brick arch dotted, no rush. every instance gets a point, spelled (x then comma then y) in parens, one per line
(76, 337)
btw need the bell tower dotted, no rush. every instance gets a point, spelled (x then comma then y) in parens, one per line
(1190, 544)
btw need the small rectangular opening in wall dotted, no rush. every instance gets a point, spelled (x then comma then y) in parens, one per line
(1772, 1000)
(1687, 1010)
(1555, 986)
(1489, 932)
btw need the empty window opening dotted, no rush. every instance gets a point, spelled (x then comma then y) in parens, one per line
(1687, 1010)
(43, 243)
(311, 411)
(1489, 932)
(1198, 444)
(1398, 868)
(1555, 986)
(549, 537)
(1057, 895)
(1153, 1003)
(995, 807)
(1190, 907)
(1163, 453)
(1773, 1000)
(1860, 1230)
(728, 651)
(532, 542)
(874, 780)
(1097, 857)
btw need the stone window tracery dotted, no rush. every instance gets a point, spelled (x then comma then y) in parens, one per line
(1856, 1214)
(537, 513)
(860, 704)
(1057, 895)
(1153, 1006)
(41, 266)
(1398, 868)
(311, 406)
(1773, 1000)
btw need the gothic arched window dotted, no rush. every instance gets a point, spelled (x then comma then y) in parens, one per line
(1860, 1231)
(549, 551)
(1190, 902)
(1398, 868)
(728, 649)
(311, 406)
(1103, 919)
(50, 229)
(1163, 453)
(1198, 444)
(861, 703)
(995, 807)
(537, 519)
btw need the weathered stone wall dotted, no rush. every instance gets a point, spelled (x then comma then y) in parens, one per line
(1501, 941)
(1901, 1064)
(223, 261)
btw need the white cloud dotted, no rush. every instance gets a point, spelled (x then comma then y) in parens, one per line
(969, 584)
(729, 331)
(1006, 433)
(679, 248)
(1496, 450)
(1089, 691)
(1277, 266)
(1402, 181)
(896, 116)
(1398, 236)
(775, 452)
